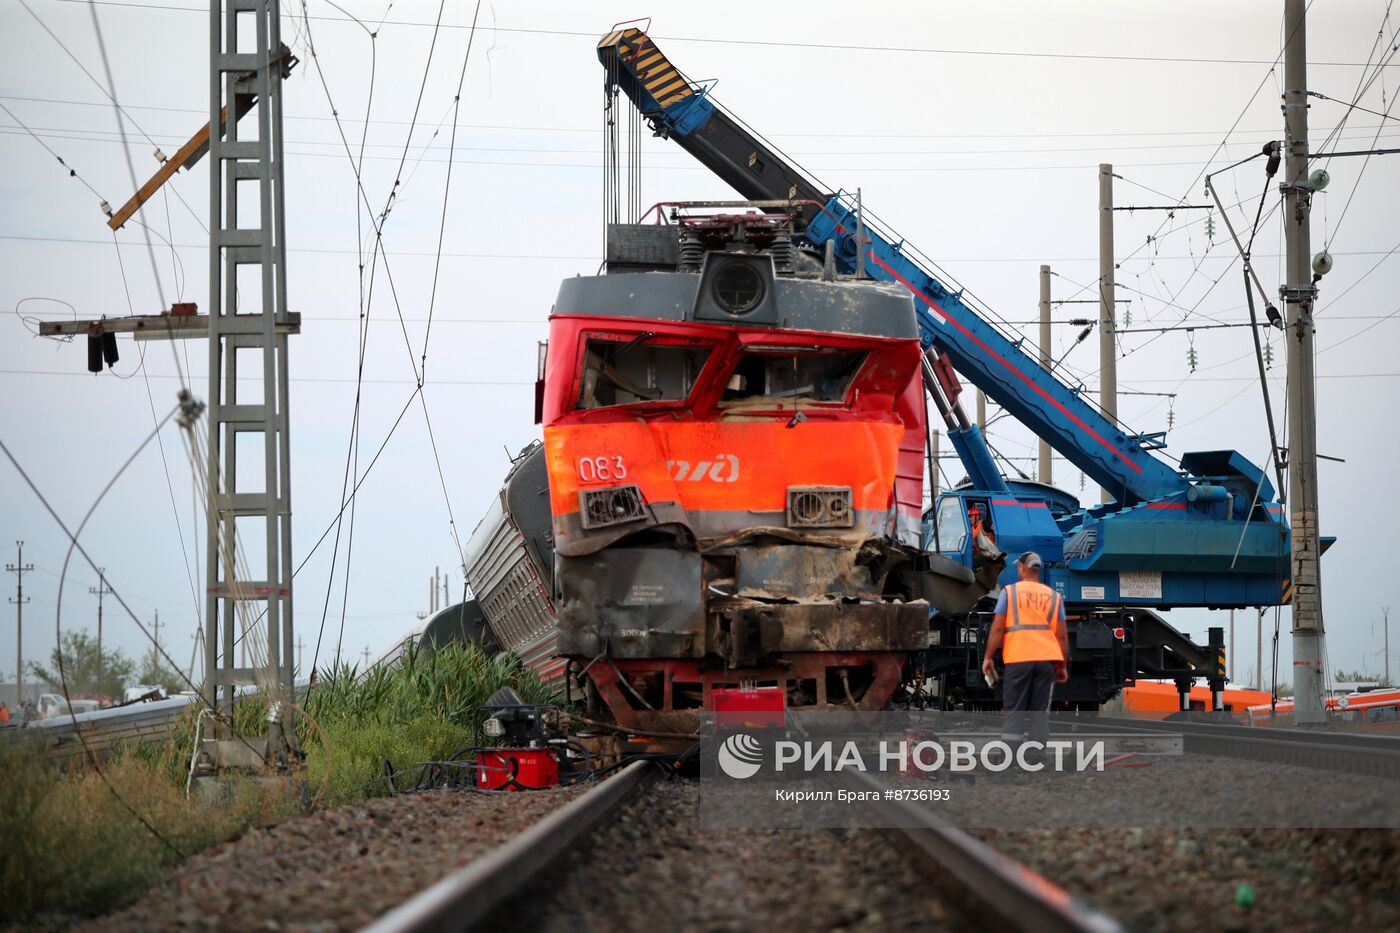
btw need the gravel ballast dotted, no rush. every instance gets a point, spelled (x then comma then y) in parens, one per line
(1184, 879)
(656, 868)
(337, 869)
(659, 864)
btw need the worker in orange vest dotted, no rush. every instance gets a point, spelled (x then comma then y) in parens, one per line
(978, 528)
(1029, 629)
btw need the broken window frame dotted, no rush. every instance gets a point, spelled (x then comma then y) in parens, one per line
(780, 401)
(634, 340)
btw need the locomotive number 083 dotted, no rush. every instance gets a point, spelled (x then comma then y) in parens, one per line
(601, 469)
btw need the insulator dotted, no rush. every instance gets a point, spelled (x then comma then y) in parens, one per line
(782, 251)
(1210, 226)
(106, 208)
(1191, 358)
(1269, 355)
(1081, 482)
(94, 353)
(160, 156)
(1171, 418)
(1127, 315)
(692, 253)
(109, 348)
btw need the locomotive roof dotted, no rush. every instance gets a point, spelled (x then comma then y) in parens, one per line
(843, 306)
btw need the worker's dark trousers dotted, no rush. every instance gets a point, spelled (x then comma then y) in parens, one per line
(1025, 693)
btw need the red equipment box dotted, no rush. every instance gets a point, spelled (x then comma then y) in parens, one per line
(754, 707)
(517, 769)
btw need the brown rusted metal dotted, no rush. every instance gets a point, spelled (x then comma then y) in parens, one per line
(872, 675)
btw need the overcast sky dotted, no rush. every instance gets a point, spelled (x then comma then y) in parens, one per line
(974, 129)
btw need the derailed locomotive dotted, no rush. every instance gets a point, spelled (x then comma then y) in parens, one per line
(733, 440)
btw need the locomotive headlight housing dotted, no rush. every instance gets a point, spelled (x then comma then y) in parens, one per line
(820, 507)
(737, 287)
(611, 505)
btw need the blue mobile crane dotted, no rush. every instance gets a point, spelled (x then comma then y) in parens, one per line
(1207, 533)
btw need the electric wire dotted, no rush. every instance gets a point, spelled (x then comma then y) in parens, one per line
(1114, 134)
(845, 47)
(74, 544)
(432, 299)
(353, 443)
(72, 172)
(107, 92)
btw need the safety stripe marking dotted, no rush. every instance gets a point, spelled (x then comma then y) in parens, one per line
(677, 84)
(666, 77)
(1008, 364)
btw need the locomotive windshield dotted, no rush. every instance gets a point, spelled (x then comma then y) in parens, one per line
(814, 375)
(623, 371)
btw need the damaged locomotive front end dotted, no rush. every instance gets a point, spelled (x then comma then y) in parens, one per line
(734, 445)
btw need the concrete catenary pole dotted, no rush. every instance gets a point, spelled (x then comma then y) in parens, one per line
(1108, 358)
(1259, 649)
(1385, 626)
(1044, 474)
(1232, 646)
(19, 568)
(1298, 294)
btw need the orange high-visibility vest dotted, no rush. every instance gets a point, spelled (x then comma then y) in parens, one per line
(1032, 619)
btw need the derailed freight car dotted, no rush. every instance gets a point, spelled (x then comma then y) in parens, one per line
(510, 567)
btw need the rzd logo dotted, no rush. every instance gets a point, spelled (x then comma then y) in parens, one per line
(722, 469)
(740, 756)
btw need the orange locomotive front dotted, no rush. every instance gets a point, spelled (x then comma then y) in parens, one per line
(734, 447)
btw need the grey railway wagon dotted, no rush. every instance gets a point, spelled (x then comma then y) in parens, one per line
(510, 566)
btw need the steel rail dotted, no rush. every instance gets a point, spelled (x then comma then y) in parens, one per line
(1336, 751)
(998, 890)
(467, 896)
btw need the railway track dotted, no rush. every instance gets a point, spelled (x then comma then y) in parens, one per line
(533, 880)
(463, 899)
(1377, 756)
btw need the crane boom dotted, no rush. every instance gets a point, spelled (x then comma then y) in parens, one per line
(1210, 533)
(981, 353)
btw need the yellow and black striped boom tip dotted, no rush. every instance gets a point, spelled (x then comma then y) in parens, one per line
(637, 53)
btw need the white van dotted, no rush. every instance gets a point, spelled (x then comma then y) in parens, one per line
(138, 691)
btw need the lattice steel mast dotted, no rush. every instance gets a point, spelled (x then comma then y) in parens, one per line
(247, 233)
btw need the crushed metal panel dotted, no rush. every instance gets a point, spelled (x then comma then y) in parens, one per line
(746, 632)
(631, 603)
(789, 571)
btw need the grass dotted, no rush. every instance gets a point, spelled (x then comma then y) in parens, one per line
(72, 848)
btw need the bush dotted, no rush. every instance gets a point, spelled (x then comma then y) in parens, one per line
(423, 708)
(72, 847)
(69, 846)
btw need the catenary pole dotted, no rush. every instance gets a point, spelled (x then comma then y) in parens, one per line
(1259, 648)
(1044, 474)
(100, 590)
(19, 568)
(1299, 293)
(1108, 359)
